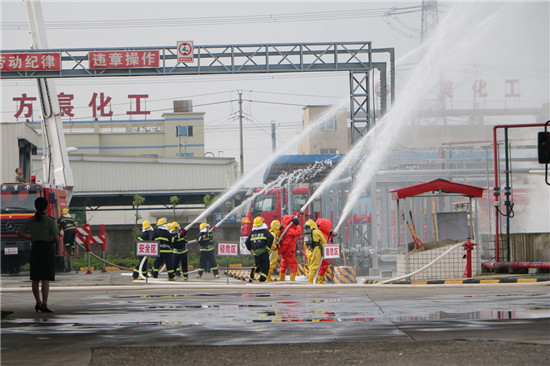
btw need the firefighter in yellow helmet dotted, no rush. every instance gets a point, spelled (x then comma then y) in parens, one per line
(164, 238)
(274, 252)
(207, 258)
(179, 243)
(145, 235)
(66, 222)
(259, 242)
(255, 269)
(314, 241)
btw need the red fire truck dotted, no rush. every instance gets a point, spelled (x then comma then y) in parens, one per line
(57, 183)
(17, 204)
(273, 205)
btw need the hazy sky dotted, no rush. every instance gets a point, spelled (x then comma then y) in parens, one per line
(515, 46)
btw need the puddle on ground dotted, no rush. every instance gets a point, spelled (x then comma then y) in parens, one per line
(235, 294)
(319, 316)
(172, 318)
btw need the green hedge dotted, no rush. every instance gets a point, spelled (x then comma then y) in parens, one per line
(132, 261)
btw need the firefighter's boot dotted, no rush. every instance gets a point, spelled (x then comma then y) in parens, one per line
(268, 277)
(293, 276)
(321, 280)
(282, 276)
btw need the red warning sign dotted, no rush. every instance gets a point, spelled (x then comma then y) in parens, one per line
(185, 51)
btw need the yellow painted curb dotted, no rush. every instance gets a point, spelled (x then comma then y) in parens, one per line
(527, 280)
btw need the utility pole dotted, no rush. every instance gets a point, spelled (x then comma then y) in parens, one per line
(241, 131)
(273, 141)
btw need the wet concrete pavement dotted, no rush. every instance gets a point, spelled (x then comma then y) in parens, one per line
(106, 319)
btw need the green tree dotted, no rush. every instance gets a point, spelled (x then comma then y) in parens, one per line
(138, 201)
(79, 215)
(209, 198)
(174, 200)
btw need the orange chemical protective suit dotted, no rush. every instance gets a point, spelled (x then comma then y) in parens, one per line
(287, 248)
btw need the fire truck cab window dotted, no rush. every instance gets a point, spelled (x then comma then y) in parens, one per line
(23, 195)
(298, 201)
(6, 198)
(265, 203)
(22, 201)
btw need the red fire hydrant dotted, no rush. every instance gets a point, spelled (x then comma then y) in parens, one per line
(468, 247)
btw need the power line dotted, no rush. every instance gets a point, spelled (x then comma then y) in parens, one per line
(295, 95)
(184, 79)
(278, 103)
(198, 21)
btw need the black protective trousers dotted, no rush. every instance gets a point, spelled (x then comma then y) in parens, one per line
(68, 239)
(181, 258)
(135, 274)
(207, 257)
(262, 265)
(164, 258)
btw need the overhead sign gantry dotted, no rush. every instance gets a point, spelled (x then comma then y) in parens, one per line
(359, 59)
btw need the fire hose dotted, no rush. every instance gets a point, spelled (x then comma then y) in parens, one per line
(103, 260)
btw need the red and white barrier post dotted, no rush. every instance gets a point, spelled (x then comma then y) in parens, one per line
(84, 237)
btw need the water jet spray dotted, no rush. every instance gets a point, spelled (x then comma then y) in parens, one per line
(291, 143)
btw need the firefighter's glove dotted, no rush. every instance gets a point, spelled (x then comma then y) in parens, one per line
(295, 220)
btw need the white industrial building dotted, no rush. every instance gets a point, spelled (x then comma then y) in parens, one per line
(114, 160)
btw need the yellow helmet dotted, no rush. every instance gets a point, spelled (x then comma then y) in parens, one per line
(275, 225)
(203, 225)
(169, 227)
(258, 221)
(175, 225)
(64, 211)
(161, 221)
(146, 225)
